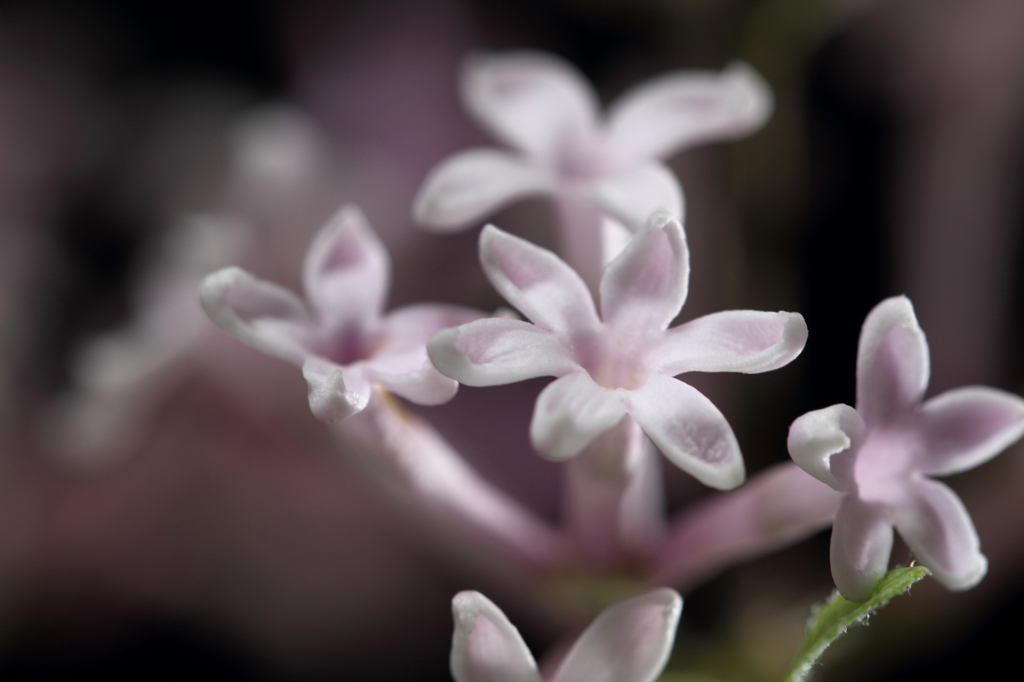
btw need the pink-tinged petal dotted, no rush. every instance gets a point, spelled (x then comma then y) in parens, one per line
(687, 108)
(408, 373)
(629, 642)
(347, 272)
(816, 436)
(689, 430)
(861, 545)
(892, 362)
(645, 287)
(749, 341)
(633, 196)
(780, 506)
(413, 325)
(570, 412)
(937, 528)
(335, 393)
(486, 647)
(467, 187)
(499, 351)
(614, 237)
(262, 314)
(537, 282)
(533, 101)
(966, 427)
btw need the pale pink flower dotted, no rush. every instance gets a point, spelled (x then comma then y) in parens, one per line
(623, 361)
(339, 335)
(628, 642)
(882, 454)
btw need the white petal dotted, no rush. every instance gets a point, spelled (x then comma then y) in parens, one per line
(469, 186)
(749, 341)
(892, 362)
(262, 314)
(410, 374)
(966, 427)
(687, 108)
(413, 325)
(645, 287)
(633, 196)
(533, 101)
(335, 393)
(537, 282)
(938, 529)
(499, 351)
(689, 430)
(570, 412)
(629, 642)
(486, 647)
(614, 237)
(816, 436)
(861, 545)
(347, 272)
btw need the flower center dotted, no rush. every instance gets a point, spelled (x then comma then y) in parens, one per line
(884, 462)
(612, 361)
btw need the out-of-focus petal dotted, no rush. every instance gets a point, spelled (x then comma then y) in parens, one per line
(410, 374)
(689, 430)
(749, 341)
(335, 393)
(262, 314)
(686, 108)
(486, 647)
(413, 325)
(533, 101)
(347, 272)
(629, 642)
(633, 196)
(816, 436)
(966, 427)
(861, 545)
(570, 412)
(537, 282)
(938, 529)
(499, 351)
(614, 237)
(468, 186)
(644, 288)
(892, 362)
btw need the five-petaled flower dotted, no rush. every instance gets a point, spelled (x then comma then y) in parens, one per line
(624, 361)
(628, 642)
(549, 114)
(339, 337)
(882, 454)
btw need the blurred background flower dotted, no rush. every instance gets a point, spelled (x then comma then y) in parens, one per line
(168, 505)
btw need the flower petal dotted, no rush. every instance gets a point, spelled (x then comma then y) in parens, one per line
(749, 341)
(686, 108)
(938, 529)
(861, 545)
(629, 642)
(499, 351)
(533, 101)
(644, 288)
(570, 412)
(966, 427)
(262, 314)
(486, 647)
(633, 196)
(468, 186)
(689, 430)
(413, 325)
(537, 282)
(410, 374)
(816, 436)
(335, 392)
(892, 362)
(347, 272)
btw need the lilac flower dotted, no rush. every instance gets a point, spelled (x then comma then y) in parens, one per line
(339, 336)
(545, 110)
(882, 454)
(622, 362)
(629, 642)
